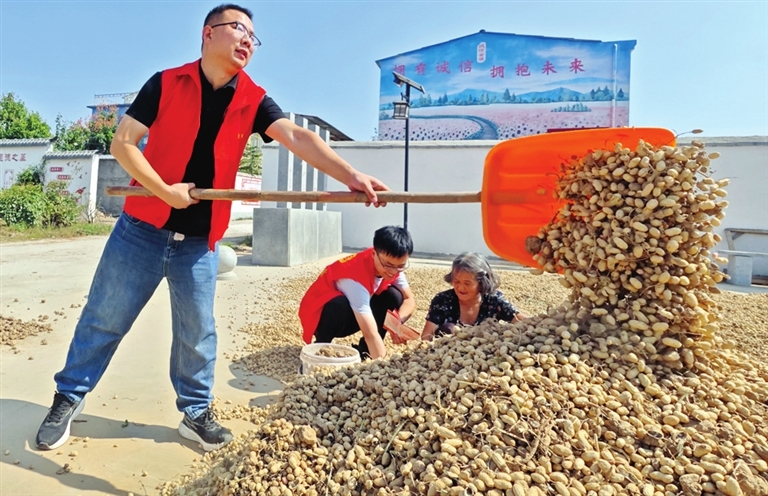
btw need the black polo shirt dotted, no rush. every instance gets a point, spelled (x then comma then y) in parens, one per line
(195, 220)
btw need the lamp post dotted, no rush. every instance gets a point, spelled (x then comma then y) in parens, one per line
(401, 112)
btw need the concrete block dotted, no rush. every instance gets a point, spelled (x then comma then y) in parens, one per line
(740, 270)
(329, 233)
(110, 174)
(286, 237)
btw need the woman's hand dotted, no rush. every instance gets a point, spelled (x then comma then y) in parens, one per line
(429, 331)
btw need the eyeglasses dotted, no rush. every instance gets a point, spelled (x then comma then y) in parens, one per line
(389, 266)
(238, 26)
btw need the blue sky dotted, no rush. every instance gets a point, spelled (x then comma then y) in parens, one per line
(696, 64)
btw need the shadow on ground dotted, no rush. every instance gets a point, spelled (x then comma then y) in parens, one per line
(269, 368)
(19, 421)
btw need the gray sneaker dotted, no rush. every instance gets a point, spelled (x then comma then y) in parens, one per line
(205, 430)
(54, 430)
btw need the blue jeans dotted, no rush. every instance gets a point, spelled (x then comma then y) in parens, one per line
(135, 259)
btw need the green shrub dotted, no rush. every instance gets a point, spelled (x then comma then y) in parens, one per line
(33, 174)
(61, 210)
(31, 205)
(23, 205)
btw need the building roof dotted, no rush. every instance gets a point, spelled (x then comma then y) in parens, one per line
(491, 33)
(114, 99)
(725, 140)
(26, 142)
(71, 154)
(336, 135)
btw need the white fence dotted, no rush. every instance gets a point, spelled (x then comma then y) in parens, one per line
(78, 169)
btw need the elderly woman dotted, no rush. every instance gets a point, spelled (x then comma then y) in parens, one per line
(474, 298)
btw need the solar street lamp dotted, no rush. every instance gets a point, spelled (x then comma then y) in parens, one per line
(401, 112)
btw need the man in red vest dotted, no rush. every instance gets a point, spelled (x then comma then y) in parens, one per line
(199, 117)
(353, 294)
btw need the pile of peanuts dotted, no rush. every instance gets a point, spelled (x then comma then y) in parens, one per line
(633, 242)
(626, 388)
(12, 330)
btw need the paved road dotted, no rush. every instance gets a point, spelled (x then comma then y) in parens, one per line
(488, 129)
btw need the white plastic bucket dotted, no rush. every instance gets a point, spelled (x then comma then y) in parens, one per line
(310, 359)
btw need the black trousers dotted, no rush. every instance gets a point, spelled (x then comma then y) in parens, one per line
(338, 320)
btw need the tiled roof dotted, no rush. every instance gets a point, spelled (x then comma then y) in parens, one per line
(25, 142)
(71, 154)
(725, 140)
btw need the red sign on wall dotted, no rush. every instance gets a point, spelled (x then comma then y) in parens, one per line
(253, 184)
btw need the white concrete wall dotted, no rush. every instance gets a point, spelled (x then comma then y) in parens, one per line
(80, 170)
(244, 209)
(16, 157)
(458, 166)
(432, 167)
(437, 166)
(745, 162)
(270, 156)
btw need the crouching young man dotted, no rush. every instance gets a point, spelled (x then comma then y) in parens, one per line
(354, 294)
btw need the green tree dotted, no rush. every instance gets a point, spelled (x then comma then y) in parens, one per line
(17, 122)
(250, 163)
(32, 175)
(95, 133)
(70, 135)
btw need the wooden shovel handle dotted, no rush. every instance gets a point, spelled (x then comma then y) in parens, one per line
(307, 196)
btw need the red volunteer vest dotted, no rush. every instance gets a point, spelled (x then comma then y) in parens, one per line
(172, 137)
(358, 267)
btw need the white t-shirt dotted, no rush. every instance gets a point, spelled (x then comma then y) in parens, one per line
(358, 296)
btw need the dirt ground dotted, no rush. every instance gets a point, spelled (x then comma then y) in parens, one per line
(125, 441)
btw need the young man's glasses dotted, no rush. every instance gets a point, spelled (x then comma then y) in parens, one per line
(239, 27)
(389, 266)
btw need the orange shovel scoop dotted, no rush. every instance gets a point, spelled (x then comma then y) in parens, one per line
(519, 183)
(520, 178)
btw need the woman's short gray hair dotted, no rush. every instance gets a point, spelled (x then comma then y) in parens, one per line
(475, 264)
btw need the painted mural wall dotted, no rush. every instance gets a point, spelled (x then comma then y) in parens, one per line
(499, 86)
(79, 170)
(18, 155)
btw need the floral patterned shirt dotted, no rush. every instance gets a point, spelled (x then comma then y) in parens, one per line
(445, 308)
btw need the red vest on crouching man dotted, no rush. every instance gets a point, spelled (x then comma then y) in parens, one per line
(172, 137)
(358, 267)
